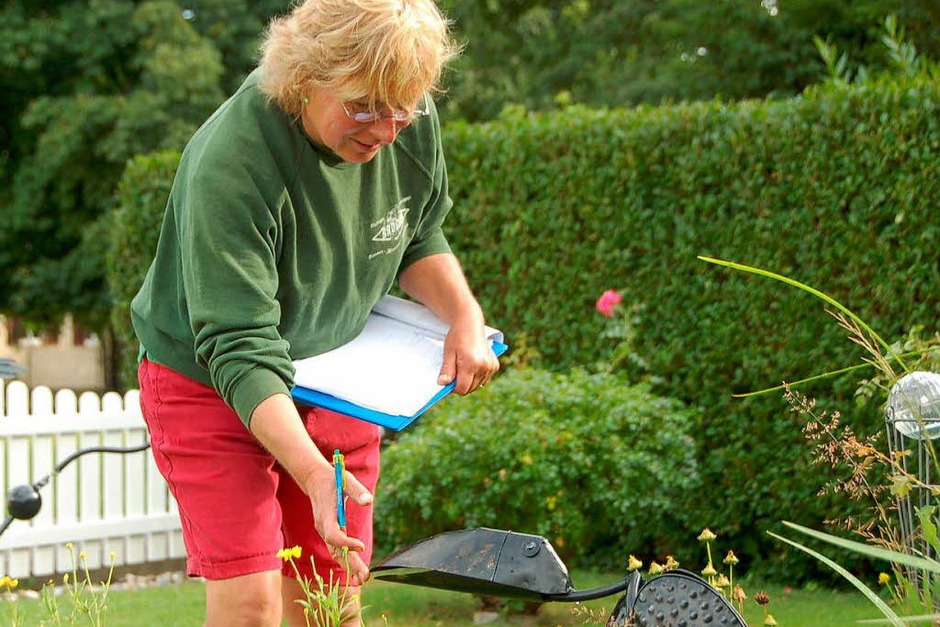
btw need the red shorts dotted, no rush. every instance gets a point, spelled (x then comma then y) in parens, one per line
(237, 506)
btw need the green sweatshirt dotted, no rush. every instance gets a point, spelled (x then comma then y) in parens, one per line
(273, 249)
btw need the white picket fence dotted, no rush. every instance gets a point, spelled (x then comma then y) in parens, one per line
(102, 503)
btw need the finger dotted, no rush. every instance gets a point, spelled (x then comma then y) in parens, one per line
(466, 381)
(337, 540)
(352, 563)
(335, 537)
(448, 368)
(356, 567)
(356, 491)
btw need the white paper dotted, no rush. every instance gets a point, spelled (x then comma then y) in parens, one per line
(391, 367)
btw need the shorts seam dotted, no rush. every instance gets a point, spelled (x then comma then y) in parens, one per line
(157, 407)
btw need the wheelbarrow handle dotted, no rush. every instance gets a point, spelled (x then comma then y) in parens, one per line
(576, 596)
(34, 502)
(123, 450)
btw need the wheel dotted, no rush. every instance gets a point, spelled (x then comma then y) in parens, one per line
(680, 598)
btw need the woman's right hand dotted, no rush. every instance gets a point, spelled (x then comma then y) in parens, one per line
(345, 549)
(278, 427)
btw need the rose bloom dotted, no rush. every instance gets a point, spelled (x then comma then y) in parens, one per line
(608, 300)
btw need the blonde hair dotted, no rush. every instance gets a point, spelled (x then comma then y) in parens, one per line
(382, 51)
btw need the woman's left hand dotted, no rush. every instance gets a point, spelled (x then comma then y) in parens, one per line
(468, 357)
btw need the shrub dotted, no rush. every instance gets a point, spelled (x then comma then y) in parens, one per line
(596, 466)
(142, 196)
(838, 188)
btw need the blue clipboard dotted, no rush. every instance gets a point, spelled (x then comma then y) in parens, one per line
(308, 396)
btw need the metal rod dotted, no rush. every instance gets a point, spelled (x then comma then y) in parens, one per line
(68, 460)
(590, 594)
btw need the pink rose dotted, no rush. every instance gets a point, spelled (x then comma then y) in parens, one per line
(608, 300)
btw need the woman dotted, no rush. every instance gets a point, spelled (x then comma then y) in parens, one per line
(295, 208)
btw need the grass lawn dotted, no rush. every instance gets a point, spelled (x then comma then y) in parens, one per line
(183, 605)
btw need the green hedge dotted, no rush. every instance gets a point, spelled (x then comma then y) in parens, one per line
(142, 195)
(598, 467)
(839, 189)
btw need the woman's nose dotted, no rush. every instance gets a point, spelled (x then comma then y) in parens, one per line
(386, 129)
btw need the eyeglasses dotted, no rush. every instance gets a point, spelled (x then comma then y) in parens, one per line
(369, 117)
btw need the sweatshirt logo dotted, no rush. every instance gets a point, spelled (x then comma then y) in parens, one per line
(389, 230)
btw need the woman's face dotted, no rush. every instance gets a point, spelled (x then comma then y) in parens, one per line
(327, 123)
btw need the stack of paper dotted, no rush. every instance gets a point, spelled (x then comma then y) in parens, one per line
(388, 373)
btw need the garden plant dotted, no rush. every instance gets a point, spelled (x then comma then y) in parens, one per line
(879, 476)
(87, 602)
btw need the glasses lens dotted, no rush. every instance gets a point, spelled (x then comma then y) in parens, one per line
(365, 117)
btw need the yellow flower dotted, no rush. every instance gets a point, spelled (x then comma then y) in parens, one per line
(655, 568)
(709, 571)
(769, 621)
(8, 583)
(706, 535)
(69, 546)
(633, 564)
(883, 579)
(82, 555)
(550, 502)
(287, 553)
(731, 558)
(671, 563)
(722, 581)
(112, 555)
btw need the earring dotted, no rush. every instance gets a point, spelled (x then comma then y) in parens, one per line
(305, 100)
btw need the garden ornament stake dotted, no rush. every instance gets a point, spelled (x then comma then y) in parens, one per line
(521, 566)
(24, 501)
(912, 420)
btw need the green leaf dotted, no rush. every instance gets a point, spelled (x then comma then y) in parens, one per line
(927, 525)
(901, 485)
(893, 618)
(825, 375)
(821, 295)
(908, 620)
(895, 557)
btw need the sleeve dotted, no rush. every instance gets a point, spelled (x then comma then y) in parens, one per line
(429, 236)
(229, 239)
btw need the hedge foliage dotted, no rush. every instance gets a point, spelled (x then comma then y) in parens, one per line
(838, 188)
(598, 467)
(142, 195)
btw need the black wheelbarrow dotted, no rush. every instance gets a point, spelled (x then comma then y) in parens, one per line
(526, 567)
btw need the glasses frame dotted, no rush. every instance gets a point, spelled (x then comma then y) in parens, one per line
(371, 117)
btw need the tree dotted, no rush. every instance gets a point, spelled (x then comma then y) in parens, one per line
(613, 53)
(85, 86)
